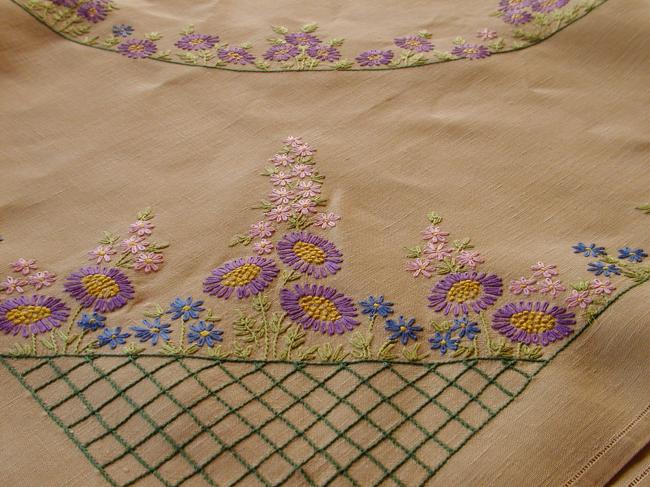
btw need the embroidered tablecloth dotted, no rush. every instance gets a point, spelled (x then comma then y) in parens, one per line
(325, 243)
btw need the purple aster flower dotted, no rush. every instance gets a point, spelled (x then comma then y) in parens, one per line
(320, 308)
(112, 337)
(152, 330)
(443, 342)
(302, 39)
(93, 11)
(633, 255)
(91, 322)
(546, 6)
(374, 57)
(323, 52)
(465, 291)
(122, 30)
(599, 268)
(591, 250)
(35, 314)
(505, 5)
(403, 330)
(376, 307)
(196, 42)
(247, 276)
(137, 48)
(471, 51)
(281, 52)
(465, 328)
(185, 309)
(236, 55)
(517, 16)
(203, 333)
(309, 253)
(103, 289)
(414, 43)
(533, 322)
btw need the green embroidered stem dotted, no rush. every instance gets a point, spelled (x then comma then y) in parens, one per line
(77, 346)
(69, 328)
(34, 350)
(181, 339)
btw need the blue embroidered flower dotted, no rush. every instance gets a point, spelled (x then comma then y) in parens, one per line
(204, 334)
(465, 328)
(443, 342)
(599, 268)
(91, 322)
(185, 309)
(590, 250)
(112, 337)
(152, 330)
(633, 255)
(122, 30)
(373, 306)
(403, 329)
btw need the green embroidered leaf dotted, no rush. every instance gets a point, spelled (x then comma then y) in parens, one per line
(425, 34)
(343, 64)
(307, 354)
(187, 30)
(458, 40)
(464, 244)
(441, 327)
(153, 36)
(336, 42)
(309, 28)
(156, 311)
(280, 29)
(413, 354)
(240, 239)
(218, 352)
(287, 276)
(434, 218)
(19, 350)
(443, 55)
(247, 329)
(327, 353)
(132, 349)
(448, 265)
(386, 352)
(413, 252)
(240, 351)
(109, 238)
(644, 208)
(497, 45)
(263, 205)
(361, 345)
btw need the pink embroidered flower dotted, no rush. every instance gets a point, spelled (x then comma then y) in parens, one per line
(434, 234)
(263, 247)
(578, 299)
(12, 284)
(133, 244)
(41, 279)
(24, 266)
(523, 286)
(549, 286)
(302, 170)
(486, 34)
(602, 287)
(280, 179)
(304, 206)
(148, 262)
(101, 254)
(303, 150)
(278, 214)
(293, 141)
(308, 189)
(326, 220)
(141, 228)
(469, 258)
(261, 229)
(282, 159)
(420, 267)
(544, 270)
(281, 196)
(438, 251)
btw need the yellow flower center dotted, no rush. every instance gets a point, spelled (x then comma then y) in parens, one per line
(533, 321)
(196, 41)
(241, 276)
(320, 308)
(462, 291)
(204, 333)
(309, 252)
(136, 48)
(155, 330)
(26, 315)
(402, 328)
(100, 286)
(471, 50)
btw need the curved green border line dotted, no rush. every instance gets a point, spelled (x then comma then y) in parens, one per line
(225, 68)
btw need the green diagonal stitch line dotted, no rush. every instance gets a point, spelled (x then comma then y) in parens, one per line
(151, 422)
(198, 422)
(259, 432)
(68, 432)
(33, 369)
(113, 398)
(446, 422)
(105, 425)
(55, 378)
(487, 377)
(323, 417)
(262, 425)
(181, 412)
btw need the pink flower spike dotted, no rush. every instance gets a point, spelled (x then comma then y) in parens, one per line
(602, 287)
(437, 251)
(469, 258)
(292, 141)
(263, 247)
(148, 262)
(308, 189)
(101, 254)
(544, 270)
(578, 299)
(41, 279)
(326, 220)
(304, 206)
(282, 160)
(261, 229)
(549, 286)
(11, 285)
(133, 244)
(486, 34)
(523, 285)
(420, 267)
(141, 228)
(279, 213)
(280, 178)
(24, 266)
(434, 234)
(281, 196)
(302, 170)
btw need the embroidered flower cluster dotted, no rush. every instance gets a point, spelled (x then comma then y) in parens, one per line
(27, 276)
(303, 48)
